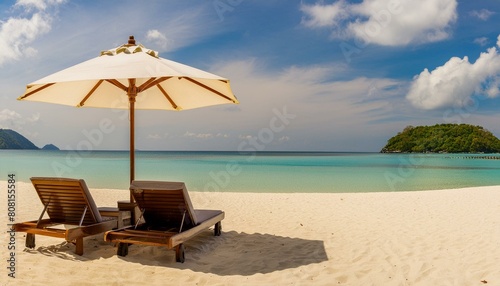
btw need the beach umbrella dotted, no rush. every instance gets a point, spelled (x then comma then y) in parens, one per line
(131, 77)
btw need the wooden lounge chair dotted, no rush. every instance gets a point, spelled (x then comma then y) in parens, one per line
(169, 216)
(72, 213)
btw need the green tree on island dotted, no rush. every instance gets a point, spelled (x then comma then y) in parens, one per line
(443, 138)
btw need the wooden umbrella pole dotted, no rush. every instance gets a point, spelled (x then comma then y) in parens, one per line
(132, 93)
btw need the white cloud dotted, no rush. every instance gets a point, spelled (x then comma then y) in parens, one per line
(198, 135)
(385, 22)
(284, 138)
(34, 118)
(452, 84)
(154, 136)
(323, 15)
(8, 117)
(12, 119)
(17, 33)
(38, 4)
(482, 41)
(310, 74)
(315, 97)
(181, 28)
(482, 14)
(157, 37)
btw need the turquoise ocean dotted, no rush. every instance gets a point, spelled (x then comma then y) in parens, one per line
(261, 172)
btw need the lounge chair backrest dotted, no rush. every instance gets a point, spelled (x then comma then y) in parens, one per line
(67, 199)
(164, 203)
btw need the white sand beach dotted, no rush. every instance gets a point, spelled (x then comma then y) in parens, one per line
(445, 237)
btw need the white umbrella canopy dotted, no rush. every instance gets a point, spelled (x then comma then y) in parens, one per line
(131, 77)
(104, 81)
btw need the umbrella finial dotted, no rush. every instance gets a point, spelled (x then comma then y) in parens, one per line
(131, 40)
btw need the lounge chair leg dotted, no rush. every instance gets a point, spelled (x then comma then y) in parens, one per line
(218, 229)
(122, 249)
(79, 246)
(179, 253)
(30, 240)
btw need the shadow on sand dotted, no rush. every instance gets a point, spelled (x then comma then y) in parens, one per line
(236, 253)
(94, 248)
(232, 253)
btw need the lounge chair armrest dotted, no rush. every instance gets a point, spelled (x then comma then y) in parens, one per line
(72, 234)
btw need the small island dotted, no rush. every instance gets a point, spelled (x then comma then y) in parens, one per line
(443, 138)
(50, 147)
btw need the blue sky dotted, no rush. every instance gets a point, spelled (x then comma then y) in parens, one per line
(309, 75)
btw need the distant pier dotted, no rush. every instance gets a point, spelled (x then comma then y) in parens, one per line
(476, 157)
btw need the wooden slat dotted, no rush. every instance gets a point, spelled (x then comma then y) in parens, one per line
(139, 241)
(144, 234)
(59, 233)
(164, 205)
(91, 229)
(164, 202)
(139, 237)
(188, 234)
(66, 200)
(156, 238)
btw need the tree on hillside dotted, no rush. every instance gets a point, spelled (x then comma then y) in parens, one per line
(447, 138)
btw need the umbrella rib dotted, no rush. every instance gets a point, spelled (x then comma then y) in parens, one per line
(209, 88)
(36, 90)
(90, 93)
(168, 97)
(152, 82)
(146, 85)
(117, 84)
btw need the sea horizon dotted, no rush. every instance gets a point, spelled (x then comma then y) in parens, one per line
(264, 171)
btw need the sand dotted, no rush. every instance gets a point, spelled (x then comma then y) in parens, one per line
(445, 237)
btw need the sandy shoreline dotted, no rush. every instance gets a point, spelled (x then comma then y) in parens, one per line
(446, 237)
